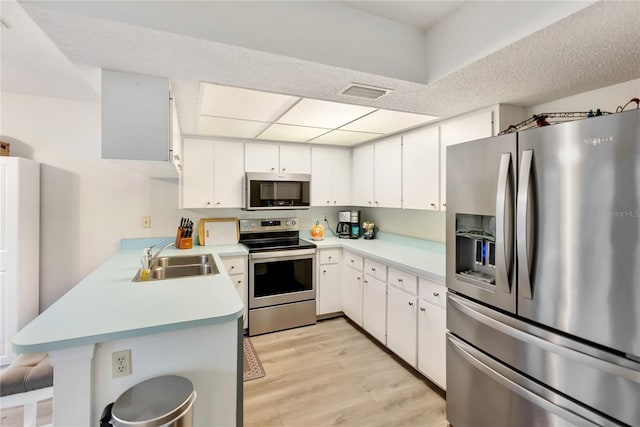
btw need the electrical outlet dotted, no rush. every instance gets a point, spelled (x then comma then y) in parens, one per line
(121, 363)
(146, 222)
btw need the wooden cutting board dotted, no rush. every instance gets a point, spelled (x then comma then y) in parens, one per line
(218, 231)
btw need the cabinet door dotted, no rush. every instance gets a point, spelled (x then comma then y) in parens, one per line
(340, 177)
(432, 339)
(465, 129)
(388, 173)
(261, 157)
(401, 324)
(362, 176)
(374, 307)
(228, 174)
(295, 158)
(352, 294)
(197, 174)
(329, 289)
(321, 176)
(421, 169)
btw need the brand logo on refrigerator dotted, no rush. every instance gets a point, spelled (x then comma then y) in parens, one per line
(598, 140)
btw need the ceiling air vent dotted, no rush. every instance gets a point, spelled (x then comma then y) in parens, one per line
(366, 92)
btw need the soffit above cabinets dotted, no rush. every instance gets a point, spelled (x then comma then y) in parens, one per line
(227, 111)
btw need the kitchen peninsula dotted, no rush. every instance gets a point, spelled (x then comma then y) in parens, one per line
(189, 326)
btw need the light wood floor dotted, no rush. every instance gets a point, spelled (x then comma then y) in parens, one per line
(327, 374)
(333, 374)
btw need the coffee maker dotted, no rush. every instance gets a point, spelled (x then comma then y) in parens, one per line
(344, 224)
(355, 225)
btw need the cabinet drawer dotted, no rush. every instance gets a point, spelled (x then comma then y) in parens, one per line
(235, 265)
(432, 292)
(352, 260)
(403, 280)
(329, 256)
(375, 269)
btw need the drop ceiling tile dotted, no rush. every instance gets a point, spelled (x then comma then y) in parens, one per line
(343, 137)
(323, 114)
(279, 132)
(387, 121)
(221, 126)
(239, 103)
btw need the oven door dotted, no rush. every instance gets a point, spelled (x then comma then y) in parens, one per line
(281, 277)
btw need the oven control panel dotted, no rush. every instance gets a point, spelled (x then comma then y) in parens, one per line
(268, 224)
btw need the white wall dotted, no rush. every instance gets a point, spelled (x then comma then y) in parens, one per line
(87, 204)
(606, 99)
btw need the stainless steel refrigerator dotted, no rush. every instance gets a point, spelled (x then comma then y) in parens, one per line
(543, 274)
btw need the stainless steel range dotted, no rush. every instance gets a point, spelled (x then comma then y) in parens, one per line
(282, 290)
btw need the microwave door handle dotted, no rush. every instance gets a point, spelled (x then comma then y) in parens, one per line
(504, 257)
(524, 203)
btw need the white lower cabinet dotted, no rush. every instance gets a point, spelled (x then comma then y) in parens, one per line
(374, 307)
(236, 269)
(432, 331)
(329, 290)
(401, 324)
(352, 293)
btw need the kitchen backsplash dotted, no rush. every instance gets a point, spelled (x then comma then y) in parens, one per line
(425, 225)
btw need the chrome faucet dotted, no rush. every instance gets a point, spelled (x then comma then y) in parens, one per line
(161, 249)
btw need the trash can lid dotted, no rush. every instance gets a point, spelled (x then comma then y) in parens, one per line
(154, 402)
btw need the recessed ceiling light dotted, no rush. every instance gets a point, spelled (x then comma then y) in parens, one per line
(363, 91)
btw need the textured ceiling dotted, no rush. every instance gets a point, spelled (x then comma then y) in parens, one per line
(595, 47)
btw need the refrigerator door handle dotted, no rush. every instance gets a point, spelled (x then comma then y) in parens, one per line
(503, 220)
(522, 224)
(523, 387)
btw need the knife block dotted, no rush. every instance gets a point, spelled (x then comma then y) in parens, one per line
(183, 242)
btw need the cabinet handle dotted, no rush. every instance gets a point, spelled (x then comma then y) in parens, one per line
(284, 169)
(358, 278)
(328, 202)
(272, 169)
(366, 281)
(239, 281)
(444, 204)
(324, 271)
(232, 267)
(422, 309)
(369, 202)
(373, 269)
(334, 202)
(400, 279)
(411, 303)
(352, 261)
(329, 257)
(217, 203)
(208, 203)
(376, 203)
(433, 205)
(436, 294)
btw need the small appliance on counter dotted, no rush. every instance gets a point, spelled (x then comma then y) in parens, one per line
(369, 230)
(355, 225)
(344, 225)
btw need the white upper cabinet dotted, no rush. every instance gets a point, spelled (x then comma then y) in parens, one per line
(456, 131)
(387, 185)
(213, 174)
(330, 176)
(421, 169)
(135, 116)
(377, 174)
(277, 158)
(362, 176)
(261, 157)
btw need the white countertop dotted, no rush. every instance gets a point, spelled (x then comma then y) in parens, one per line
(107, 305)
(421, 257)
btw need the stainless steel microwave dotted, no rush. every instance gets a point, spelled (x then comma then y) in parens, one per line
(277, 191)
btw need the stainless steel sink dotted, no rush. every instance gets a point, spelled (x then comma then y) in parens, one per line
(171, 261)
(175, 267)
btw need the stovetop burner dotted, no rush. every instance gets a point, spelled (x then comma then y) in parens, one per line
(272, 234)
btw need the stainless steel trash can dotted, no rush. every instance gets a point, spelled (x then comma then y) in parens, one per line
(162, 401)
